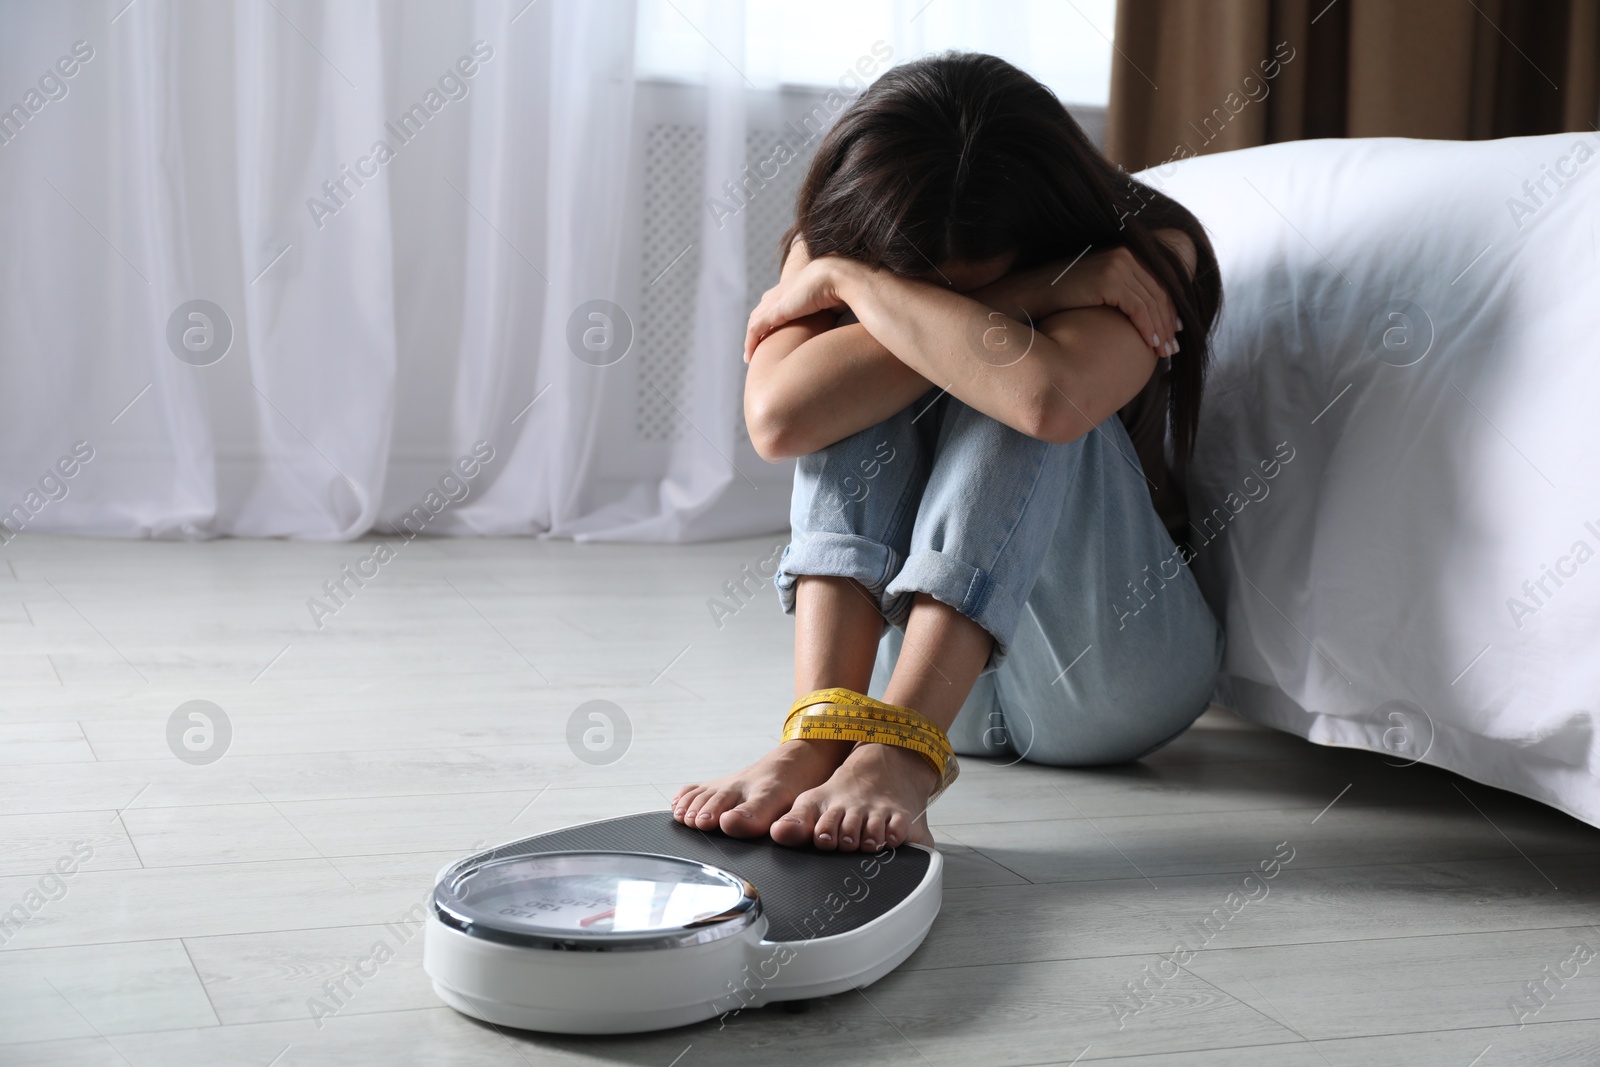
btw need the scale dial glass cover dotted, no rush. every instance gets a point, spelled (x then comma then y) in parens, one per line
(595, 900)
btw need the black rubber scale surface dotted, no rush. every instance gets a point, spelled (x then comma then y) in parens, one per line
(835, 891)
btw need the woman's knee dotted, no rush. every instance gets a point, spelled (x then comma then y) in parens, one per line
(985, 455)
(867, 484)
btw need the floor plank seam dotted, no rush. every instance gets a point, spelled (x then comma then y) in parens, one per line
(1209, 873)
(765, 738)
(129, 838)
(642, 784)
(1168, 1053)
(1298, 867)
(380, 796)
(908, 970)
(531, 1037)
(1273, 946)
(225, 1026)
(201, 982)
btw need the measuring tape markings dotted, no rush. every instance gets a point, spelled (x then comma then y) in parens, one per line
(845, 715)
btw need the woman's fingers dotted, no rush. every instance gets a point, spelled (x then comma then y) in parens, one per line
(752, 335)
(1156, 304)
(805, 293)
(1159, 328)
(753, 338)
(750, 338)
(766, 318)
(1169, 310)
(1143, 311)
(1122, 283)
(762, 322)
(1165, 311)
(1112, 277)
(1134, 304)
(772, 312)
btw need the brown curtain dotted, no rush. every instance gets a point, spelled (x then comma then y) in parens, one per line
(1190, 77)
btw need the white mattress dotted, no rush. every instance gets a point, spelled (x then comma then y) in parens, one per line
(1374, 589)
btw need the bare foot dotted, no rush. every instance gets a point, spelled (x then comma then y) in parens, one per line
(743, 804)
(878, 798)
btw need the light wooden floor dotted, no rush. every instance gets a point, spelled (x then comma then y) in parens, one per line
(430, 713)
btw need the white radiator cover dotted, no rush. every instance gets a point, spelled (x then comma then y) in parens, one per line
(673, 203)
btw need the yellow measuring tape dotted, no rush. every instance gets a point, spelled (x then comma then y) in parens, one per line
(845, 715)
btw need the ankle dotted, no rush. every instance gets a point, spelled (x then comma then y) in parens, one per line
(902, 762)
(811, 750)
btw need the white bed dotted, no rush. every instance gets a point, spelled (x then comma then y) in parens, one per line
(1383, 589)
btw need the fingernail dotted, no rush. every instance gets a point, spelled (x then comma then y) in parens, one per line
(1180, 324)
(1155, 342)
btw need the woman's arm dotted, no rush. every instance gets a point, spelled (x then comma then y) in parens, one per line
(1055, 383)
(812, 383)
(1111, 277)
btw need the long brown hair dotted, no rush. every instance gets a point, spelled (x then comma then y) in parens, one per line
(963, 156)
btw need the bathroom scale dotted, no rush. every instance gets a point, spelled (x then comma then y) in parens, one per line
(641, 923)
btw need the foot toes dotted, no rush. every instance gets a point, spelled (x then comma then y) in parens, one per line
(875, 831)
(693, 809)
(684, 802)
(826, 835)
(899, 828)
(795, 827)
(712, 807)
(850, 829)
(753, 816)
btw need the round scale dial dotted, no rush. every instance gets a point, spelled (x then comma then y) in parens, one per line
(595, 900)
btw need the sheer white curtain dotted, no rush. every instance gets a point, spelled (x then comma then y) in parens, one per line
(437, 288)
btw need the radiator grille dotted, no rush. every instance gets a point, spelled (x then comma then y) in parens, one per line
(673, 177)
(674, 207)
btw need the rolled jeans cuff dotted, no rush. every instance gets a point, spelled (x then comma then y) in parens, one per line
(971, 591)
(840, 555)
(893, 587)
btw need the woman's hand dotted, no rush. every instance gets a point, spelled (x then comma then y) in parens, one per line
(813, 382)
(807, 287)
(1116, 278)
(1112, 277)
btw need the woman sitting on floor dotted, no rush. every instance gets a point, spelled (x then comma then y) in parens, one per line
(973, 350)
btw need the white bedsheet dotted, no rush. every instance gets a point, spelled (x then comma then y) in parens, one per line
(1382, 590)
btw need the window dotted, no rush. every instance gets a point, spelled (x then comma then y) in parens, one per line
(1064, 43)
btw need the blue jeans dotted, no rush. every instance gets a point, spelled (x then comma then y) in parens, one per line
(1104, 648)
